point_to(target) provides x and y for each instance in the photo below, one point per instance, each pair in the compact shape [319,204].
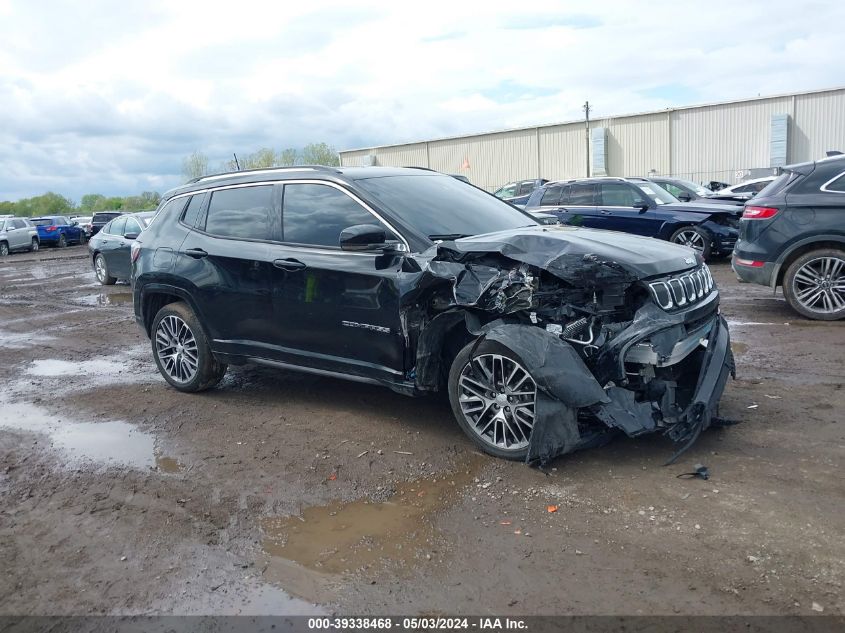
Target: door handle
[288,264]
[605,212]
[196,253]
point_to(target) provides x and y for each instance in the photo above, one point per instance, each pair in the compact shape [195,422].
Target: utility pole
[587,132]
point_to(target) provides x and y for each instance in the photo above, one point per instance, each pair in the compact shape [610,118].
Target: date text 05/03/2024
[418,623]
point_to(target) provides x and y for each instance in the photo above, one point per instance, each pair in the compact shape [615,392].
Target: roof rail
[417,167]
[232,174]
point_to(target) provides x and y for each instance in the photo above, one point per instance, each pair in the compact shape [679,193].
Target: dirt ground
[284,493]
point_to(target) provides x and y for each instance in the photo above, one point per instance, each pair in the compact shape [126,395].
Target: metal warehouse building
[727,141]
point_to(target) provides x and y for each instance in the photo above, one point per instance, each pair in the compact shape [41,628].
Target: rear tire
[814,284]
[496,420]
[695,238]
[181,350]
[4,249]
[101,270]
[34,245]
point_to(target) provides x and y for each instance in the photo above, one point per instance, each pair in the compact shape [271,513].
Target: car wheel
[82,238]
[814,284]
[695,238]
[34,246]
[181,350]
[4,249]
[62,241]
[493,398]
[101,270]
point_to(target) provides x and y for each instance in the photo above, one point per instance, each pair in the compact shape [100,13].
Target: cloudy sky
[109,97]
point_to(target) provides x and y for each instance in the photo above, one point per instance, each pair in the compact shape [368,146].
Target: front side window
[19,224]
[616,195]
[116,226]
[242,213]
[315,215]
[657,194]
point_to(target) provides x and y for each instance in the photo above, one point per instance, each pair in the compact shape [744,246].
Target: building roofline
[613,116]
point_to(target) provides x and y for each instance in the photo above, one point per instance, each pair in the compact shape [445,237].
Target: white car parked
[17,234]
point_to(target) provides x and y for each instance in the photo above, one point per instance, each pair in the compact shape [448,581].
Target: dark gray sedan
[110,248]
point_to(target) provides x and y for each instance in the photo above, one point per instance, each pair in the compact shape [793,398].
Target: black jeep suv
[793,235]
[545,338]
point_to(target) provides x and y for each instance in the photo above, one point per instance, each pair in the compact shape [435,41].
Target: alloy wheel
[35,245]
[100,268]
[819,285]
[497,397]
[690,238]
[176,349]
[4,249]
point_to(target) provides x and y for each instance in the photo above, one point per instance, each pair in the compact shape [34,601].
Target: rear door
[226,258]
[334,310]
[578,205]
[119,258]
[18,235]
[111,244]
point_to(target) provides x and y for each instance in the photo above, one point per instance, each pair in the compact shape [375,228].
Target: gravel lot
[286,493]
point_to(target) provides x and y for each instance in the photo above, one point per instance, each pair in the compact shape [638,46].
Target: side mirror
[684,197]
[364,237]
[130,236]
[642,205]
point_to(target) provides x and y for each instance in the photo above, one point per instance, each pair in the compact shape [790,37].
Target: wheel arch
[155,297]
[800,248]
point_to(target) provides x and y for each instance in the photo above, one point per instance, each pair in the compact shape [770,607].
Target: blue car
[637,206]
[57,230]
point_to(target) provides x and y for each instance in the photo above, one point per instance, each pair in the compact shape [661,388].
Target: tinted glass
[132,226]
[508,191]
[551,196]
[582,196]
[189,217]
[19,224]
[439,205]
[116,227]
[657,194]
[526,188]
[244,212]
[837,185]
[316,214]
[743,189]
[617,195]
[60,221]
[42,222]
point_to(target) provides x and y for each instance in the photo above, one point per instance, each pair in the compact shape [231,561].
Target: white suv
[17,234]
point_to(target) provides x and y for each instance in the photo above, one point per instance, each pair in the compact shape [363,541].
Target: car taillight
[748,262]
[52,228]
[759,213]
[135,251]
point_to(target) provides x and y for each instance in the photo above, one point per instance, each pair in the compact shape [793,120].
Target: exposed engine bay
[611,345]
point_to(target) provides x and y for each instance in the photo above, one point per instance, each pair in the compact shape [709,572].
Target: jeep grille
[680,291]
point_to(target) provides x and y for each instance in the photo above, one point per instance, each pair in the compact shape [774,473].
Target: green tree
[195,165]
[264,157]
[90,202]
[287,157]
[320,154]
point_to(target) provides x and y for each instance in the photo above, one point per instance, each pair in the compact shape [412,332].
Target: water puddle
[109,443]
[21,340]
[168,465]
[739,348]
[96,367]
[341,537]
[105,299]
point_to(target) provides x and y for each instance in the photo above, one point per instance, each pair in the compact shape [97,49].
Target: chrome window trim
[835,178]
[296,181]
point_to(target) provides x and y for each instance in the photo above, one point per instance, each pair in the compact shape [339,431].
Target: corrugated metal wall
[702,143]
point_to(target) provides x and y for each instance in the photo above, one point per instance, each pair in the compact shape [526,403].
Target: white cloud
[103,96]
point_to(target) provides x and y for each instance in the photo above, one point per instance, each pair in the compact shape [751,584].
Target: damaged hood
[563,249]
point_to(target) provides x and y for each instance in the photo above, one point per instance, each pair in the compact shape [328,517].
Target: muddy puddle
[108,443]
[97,367]
[739,347]
[341,537]
[106,299]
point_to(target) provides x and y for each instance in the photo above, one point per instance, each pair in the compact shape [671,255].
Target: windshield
[700,190]
[658,194]
[441,207]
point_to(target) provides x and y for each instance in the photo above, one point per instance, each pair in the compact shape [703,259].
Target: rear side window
[116,226]
[132,226]
[582,196]
[19,224]
[242,213]
[551,197]
[316,215]
[837,185]
[192,211]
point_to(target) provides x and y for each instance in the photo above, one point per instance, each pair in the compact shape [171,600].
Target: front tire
[695,238]
[101,270]
[814,284]
[62,241]
[181,350]
[493,398]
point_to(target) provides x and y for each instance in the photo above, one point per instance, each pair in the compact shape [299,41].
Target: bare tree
[287,157]
[195,165]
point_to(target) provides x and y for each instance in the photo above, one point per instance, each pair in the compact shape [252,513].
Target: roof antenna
[237,164]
